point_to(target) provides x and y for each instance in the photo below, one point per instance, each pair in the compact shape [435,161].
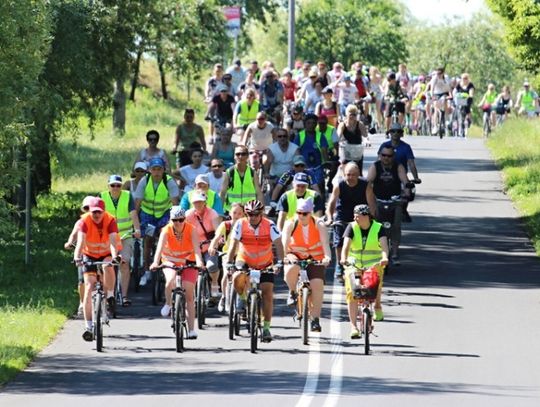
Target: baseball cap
[299,159]
[86,201]
[300,178]
[177,212]
[304,205]
[96,204]
[198,197]
[526,83]
[156,162]
[222,88]
[346,77]
[115,179]
[361,209]
[141,165]
[202,178]
[313,74]
[396,127]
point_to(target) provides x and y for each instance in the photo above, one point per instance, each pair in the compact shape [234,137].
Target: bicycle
[461,116]
[178,305]
[303,288]
[231,297]
[439,123]
[137,264]
[202,296]
[486,120]
[386,215]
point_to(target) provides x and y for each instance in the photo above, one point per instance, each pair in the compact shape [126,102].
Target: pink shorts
[190,275]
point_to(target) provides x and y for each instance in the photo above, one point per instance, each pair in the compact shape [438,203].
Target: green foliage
[522,21]
[456,46]
[348,31]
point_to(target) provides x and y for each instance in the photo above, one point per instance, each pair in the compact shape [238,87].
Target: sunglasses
[387,155]
[217,166]
[180,220]
[261,119]
[86,208]
[253,214]
[302,213]
[152,139]
[282,136]
[140,171]
[240,154]
[116,185]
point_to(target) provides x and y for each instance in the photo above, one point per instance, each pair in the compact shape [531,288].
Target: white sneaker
[192,335]
[80,310]
[214,292]
[166,310]
[221,305]
[147,276]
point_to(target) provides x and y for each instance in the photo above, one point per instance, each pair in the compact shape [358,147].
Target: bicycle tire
[232,313]
[300,309]
[178,321]
[366,326]
[486,126]
[201,307]
[305,315]
[136,267]
[155,288]
[98,326]
[253,319]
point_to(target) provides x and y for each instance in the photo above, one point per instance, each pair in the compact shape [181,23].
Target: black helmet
[253,206]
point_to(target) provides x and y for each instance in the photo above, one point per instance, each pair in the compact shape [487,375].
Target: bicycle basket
[364,293]
[370,278]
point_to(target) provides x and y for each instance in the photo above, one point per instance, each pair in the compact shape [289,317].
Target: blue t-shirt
[403,152]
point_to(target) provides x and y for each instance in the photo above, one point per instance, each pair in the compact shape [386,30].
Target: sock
[88,324]
[110,293]
[266,325]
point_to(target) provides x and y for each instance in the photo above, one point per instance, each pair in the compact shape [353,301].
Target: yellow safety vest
[120,211]
[156,202]
[292,200]
[241,191]
[248,114]
[369,254]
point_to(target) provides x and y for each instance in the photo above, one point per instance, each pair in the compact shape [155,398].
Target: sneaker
[379,315]
[126,302]
[192,335]
[221,304]
[166,310]
[395,260]
[315,325]
[111,304]
[291,299]
[147,276]
[80,310]
[355,333]
[266,335]
[88,335]
[339,272]
[214,292]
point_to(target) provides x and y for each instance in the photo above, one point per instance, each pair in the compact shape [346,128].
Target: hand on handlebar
[417,181]
[278,267]
[78,262]
[154,266]
[326,261]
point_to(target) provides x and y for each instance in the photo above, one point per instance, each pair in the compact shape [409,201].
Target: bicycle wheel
[366,326]
[253,319]
[202,285]
[98,325]
[178,321]
[442,125]
[155,288]
[232,313]
[486,127]
[136,266]
[305,315]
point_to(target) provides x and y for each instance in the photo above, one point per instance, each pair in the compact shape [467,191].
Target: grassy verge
[516,148]
[36,301]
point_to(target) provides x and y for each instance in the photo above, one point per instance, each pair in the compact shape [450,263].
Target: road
[461,323]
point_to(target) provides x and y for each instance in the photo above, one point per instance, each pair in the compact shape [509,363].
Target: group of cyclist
[187,214]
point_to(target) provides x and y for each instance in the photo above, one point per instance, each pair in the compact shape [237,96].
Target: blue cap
[115,179]
[301,178]
[156,162]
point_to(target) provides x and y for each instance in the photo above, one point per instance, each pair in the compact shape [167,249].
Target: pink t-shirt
[204,225]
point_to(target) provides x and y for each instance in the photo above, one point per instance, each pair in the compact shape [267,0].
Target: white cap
[202,178]
[140,164]
[198,197]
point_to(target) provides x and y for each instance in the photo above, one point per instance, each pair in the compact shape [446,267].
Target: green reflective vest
[210,198]
[292,200]
[527,100]
[327,134]
[241,190]
[370,253]
[156,201]
[491,97]
[302,136]
[248,114]
[120,212]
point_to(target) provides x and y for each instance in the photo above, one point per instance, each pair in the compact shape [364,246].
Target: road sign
[232,15]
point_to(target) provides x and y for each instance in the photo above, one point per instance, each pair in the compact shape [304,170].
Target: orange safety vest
[178,251]
[97,244]
[255,250]
[302,249]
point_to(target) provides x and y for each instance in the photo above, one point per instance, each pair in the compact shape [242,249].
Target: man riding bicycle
[271,96]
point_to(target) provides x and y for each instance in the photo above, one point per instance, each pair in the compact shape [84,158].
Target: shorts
[127,249]
[94,268]
[190,275]
[399,107]
[265,277]
[212,263]
[157,223]
[339,229]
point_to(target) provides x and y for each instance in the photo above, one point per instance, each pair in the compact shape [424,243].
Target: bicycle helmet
[177,212]
[361,209]
[253,206]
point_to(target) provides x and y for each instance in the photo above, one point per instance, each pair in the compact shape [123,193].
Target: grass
[35,301]
[516,148]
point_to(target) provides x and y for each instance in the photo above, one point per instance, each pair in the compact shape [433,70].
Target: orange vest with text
[255,250]
[302,249]
[178,251]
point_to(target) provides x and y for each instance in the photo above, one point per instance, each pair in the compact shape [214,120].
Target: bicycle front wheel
[202,285]
[98,324]
[178,321]
[253,320]
[367,330]
[305,315]
[232,313]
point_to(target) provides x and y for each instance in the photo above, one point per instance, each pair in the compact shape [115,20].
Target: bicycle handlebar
[179,268]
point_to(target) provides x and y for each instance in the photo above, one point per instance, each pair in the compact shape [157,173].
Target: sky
[435,11]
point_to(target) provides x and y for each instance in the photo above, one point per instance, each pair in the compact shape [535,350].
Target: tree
[354,30]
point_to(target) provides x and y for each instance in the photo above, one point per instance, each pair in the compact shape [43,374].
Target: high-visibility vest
[156,202]
[255,250]
[178,251]
[241,191]
[370,253]
[302,136]
[248,114]
[97,243]
[527,100]
[327,135]
[120,211]
[292,200]
[302,249]
[210,198]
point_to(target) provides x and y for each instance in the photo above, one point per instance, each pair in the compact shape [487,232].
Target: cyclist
[306,237]
[419,100]
[388,178]
[205,220]
[350,133]
[221,242]
[487,104]
[215,175]
[330,133]
[347,91]
[503,104]
[249,83]
[202,186]
[246,111]
[97,240]
[280,155]
[348,193]
[213,83]
[395,98]
[239,183]
[328,108]
[139,171]
[365,245]
[188,173]
[179,245]
[527,101]
[224,148]
[252,238]
[259,134]
[237,73]
[295,121]
[289,200]
[271,96]
[222,106]
[121,205]
[440,90]
[466,88]
[154,196]
[152,151]
[188,135]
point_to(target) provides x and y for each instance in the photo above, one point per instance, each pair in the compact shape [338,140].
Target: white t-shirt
[215,183]
[189,174]
[347,94]
[260,138]
[237,231]
[238,76]
[440,86]
[283,161]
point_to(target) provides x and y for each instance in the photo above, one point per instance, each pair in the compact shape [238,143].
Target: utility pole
[28,207]
[291,52]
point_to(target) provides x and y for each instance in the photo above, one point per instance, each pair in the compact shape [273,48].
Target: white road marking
[314,367]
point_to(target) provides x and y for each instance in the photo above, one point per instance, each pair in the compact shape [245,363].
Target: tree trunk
[162,76]
[119,107]
[135,80]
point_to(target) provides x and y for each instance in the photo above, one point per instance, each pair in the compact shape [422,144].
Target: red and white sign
[232,14]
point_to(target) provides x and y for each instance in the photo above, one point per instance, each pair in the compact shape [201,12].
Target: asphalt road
[461,323]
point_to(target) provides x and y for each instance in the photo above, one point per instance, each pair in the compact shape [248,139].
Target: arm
[279,249]
[113,241]
[81,239]
[330,209]
[372,173]
[220,231]
[201,137]
[245,137]
[136,224]
[323,233]
[383,241]
[176,139]
[197,248]
[257,185]
[345,249]
[286,235]
[224,186]
[412,166]
[72,237]
[371,200]
[232,250]
[282,216]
